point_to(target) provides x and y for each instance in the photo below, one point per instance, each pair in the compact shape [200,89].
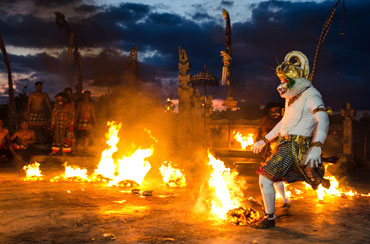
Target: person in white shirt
[301,134]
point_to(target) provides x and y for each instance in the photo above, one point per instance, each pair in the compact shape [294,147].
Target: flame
[335,190]
[72,173]
[33,172]
[128,170]
[133,168]
[245,141]
[222,180]
[107,166]
[172,176]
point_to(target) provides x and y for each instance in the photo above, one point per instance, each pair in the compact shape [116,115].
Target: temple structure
[194,109]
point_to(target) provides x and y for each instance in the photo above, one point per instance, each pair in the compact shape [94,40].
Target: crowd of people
[67,123]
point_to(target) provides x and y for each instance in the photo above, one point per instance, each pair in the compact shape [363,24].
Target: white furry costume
[304,122]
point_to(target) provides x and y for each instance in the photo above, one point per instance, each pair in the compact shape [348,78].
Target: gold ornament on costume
[295,66]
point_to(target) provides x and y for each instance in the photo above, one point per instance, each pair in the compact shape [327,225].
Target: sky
[262,32]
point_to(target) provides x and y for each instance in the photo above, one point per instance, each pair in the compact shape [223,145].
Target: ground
[69,212]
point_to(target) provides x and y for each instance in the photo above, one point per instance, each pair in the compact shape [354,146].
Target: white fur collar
[293,112]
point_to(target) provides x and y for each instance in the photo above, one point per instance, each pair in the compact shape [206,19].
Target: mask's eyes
[282,78]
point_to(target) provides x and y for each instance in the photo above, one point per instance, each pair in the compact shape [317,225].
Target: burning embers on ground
[225,198]
[127,171]
[300,190]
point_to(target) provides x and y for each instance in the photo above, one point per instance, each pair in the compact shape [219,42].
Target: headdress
[295,66]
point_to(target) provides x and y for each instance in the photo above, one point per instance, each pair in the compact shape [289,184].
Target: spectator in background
[77,96]
[24,137]
[69,96]
[85,117]
[4,139]
[37,118]
[62,122]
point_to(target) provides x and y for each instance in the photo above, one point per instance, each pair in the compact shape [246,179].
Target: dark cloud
[201,16]
[40,3]
[278,27]
[274,29]
[226,3]
[85,8]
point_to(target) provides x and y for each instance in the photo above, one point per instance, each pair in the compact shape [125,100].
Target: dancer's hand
[257,147]
[314,156]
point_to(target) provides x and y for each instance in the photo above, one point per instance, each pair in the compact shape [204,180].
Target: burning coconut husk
[242,216]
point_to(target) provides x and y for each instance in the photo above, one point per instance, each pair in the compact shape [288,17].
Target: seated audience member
[24,139]
[4,138]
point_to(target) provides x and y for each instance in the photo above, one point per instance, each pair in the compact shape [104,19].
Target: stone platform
[236,156]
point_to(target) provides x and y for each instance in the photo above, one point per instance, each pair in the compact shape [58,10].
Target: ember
[33,172]
[245,141]
[171,176]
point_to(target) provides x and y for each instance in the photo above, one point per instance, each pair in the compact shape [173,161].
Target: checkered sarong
[84,124]
[286,162]
[37,118]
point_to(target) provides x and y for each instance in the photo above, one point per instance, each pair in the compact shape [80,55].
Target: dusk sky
[262,31]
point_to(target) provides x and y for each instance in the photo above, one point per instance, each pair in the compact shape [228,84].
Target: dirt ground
[67,212]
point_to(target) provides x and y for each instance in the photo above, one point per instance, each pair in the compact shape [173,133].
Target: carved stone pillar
[185,93]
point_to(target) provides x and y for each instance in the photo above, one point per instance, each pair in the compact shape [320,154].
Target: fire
[335,190]
[228,195]
[72,173]
[225,189]
[150,135]
[133,168]
[171,176]
[107,167]
[33,172]
[245,141]
[127,171]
